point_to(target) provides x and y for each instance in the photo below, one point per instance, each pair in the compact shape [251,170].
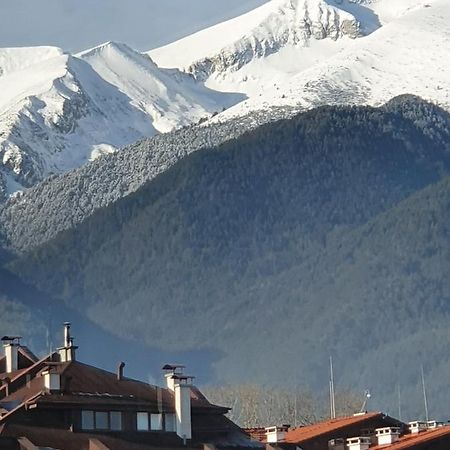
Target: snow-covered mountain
[303,53]
[229,46]
[57,111]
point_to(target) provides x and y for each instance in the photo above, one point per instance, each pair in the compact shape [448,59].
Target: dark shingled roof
[84,384]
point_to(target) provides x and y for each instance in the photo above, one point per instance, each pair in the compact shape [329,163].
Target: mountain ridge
[295,226]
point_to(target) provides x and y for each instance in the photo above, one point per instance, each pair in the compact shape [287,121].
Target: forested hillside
[323,234]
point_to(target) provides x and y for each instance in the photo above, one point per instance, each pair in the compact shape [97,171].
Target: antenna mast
[425,401]
[332,394]
[399,398]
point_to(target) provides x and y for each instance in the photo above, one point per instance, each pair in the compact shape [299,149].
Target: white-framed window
[101,420]
[169,422]
[87,420]
[142,421]
[156,422]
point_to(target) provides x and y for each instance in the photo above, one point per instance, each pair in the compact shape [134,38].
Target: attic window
[155,422]
[101,420]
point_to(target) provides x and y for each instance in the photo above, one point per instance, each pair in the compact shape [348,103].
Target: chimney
[170,372]
[52,380]
[417,426]
[387,435]
[276,434]
[182,393]
[11,345]
[120,371]
[358,443]
[336,444]
[67,353]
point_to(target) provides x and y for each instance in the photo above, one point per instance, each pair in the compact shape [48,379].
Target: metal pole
[425,401]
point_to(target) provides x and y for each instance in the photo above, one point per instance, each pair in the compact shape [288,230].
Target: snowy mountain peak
[65,110]
[264,31]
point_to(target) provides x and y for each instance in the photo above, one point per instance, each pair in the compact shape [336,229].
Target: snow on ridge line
[258,33]
[13,59]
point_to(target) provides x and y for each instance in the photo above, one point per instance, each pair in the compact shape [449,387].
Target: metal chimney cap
[11,338]
[173,367]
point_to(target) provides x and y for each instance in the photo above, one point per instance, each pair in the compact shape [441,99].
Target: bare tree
[258,406]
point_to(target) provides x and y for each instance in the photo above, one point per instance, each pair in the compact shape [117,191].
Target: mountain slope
[264,31]
[59,113]
[38,318]
[276,56]
[14,59]
[276,231]
[60,203]
[169,98]
[406,55]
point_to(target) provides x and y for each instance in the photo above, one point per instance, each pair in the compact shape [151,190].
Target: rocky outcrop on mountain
[277,24]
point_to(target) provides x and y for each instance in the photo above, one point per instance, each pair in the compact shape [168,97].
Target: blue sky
[76,25]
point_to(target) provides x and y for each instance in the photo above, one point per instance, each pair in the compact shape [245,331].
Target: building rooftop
[417,440]
[308,432]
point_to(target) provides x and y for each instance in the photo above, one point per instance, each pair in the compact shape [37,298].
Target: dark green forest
[324,234]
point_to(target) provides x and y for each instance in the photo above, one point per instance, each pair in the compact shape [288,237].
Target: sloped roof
[411,441]
[18,378]
[83,384]
[302,434]
[67,440]
[26,358]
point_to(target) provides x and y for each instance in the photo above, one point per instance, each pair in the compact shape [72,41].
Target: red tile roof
[301,434]
[411,441]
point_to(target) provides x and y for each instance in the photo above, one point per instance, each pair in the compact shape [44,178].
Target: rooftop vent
[433,424]
[120,371]
[67,352]
[358,443]
[170,372]
[387,435]
[11,345]
[336,444]
[417,426]
[276,434]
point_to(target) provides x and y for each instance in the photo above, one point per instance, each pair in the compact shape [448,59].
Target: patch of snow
[18,58]
[99,150]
